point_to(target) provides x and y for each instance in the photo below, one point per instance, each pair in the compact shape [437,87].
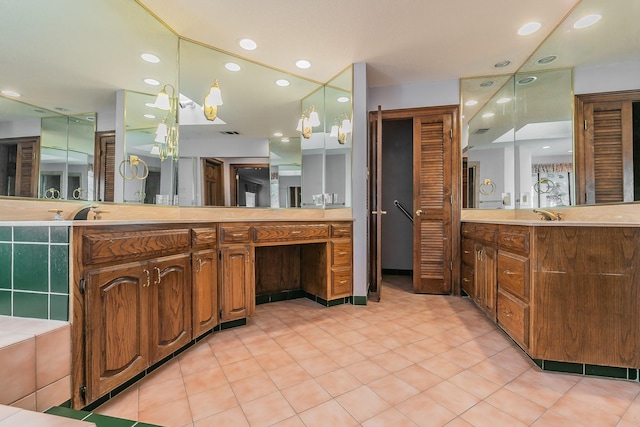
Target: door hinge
[451,200]
[451,266]
[220,255]
[451,133]
[220,315]
[82,285]
[585,125]
[83,393]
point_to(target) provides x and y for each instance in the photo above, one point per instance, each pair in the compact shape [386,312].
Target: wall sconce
[166,140]
[340,131]
[307,122]
[211,102]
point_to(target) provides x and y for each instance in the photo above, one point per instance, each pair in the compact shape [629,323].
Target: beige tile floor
[408,360]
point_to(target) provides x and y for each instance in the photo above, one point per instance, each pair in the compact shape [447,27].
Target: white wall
[606,78]
[20,128]
[415,95]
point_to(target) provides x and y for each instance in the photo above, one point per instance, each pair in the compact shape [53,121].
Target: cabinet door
[170,306]
[485,278]
[204,273]
[237,281]
[116,313]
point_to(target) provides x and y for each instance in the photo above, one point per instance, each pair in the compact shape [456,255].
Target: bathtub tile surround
[34,271]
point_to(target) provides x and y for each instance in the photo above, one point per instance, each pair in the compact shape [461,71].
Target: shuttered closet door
[27,164]
[608,152]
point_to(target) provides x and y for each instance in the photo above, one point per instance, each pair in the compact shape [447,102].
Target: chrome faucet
[548,215]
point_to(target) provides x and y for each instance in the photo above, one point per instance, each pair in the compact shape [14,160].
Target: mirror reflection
[542,171]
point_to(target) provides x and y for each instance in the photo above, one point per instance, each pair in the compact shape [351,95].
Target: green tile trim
[59,268]
[633,374]
[59,307]
[5,303]
[27,304]
[606,371]
[106,421]
[68,412]
[359,300]
[5,234]
[31,267]
[59,234]
[31,234]
[5,265]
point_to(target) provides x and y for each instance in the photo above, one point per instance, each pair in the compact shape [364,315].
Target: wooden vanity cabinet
[236,290]
[204,279]
[341,256]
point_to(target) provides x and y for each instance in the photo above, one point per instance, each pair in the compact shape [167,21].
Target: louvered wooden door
[608,152]
[104,175]
[27,166]
[432,187]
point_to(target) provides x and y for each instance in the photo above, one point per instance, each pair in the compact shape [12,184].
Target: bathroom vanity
[563,292]
[142,291]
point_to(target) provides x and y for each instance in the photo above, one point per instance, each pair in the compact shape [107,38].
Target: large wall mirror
[48,127]
[518,130]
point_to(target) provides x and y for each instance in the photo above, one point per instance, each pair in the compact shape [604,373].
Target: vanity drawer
[513,317]
[341,253]
[279,233]
[468,252]
[486,233]
[131,245]
[513,274]
[467,230]
[341,282]
[203,237]
[235,233]
[515,238]
[340,230]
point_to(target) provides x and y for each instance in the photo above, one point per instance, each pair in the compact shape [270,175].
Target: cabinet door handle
[148,278]
[466,280]
[159,277]
[199,265]
[508,272]
[507,313]
[466,252]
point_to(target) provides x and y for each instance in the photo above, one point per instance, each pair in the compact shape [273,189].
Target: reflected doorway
[213,183]
[250,185]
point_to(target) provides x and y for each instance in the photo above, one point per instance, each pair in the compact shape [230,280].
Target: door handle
[378,212]
[419,212]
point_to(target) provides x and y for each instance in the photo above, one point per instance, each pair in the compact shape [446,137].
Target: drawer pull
[236,234]
[508,272]
[466,280]
[159,277]
[467,252]
[508,239]
[342,253]
[148,278]
[296,231]
[343,281]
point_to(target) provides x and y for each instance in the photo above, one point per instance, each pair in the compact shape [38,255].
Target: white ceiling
[402,41]
[74,54]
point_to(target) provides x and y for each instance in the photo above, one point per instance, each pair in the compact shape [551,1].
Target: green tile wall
[34,271]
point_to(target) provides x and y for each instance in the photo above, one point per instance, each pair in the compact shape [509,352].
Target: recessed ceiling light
[487,115]
[303,63]
[232,66]
[343,99]
[471,102]
[502,64]
[11,93]
[150,57]
[285,139]
[487,83]
[527,80]
[61,109]
[570,151]
[248,44]
[503,100]
[150,116]
[586,21]
[277,134]
[529,28]
[152,82]
[544,147]
[282,82]
[91,118]
[37,110]
[546,59]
